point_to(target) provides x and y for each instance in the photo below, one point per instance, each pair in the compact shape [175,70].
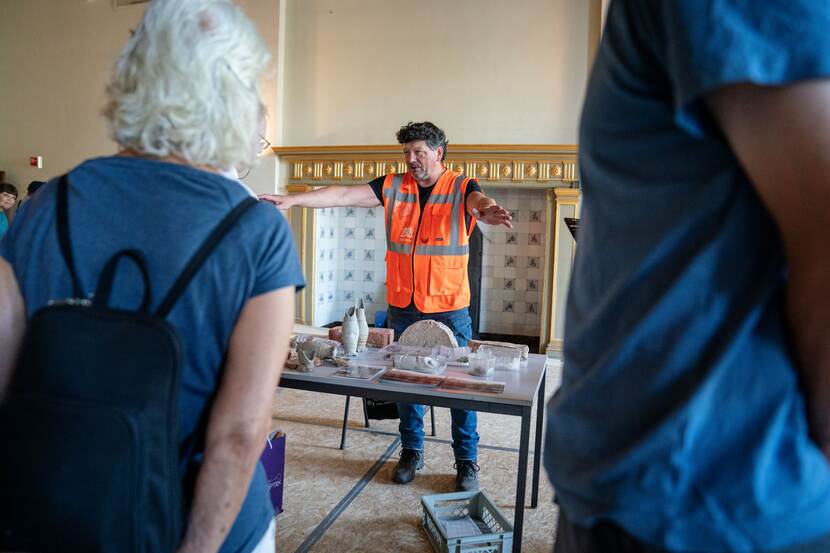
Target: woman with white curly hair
[184,108]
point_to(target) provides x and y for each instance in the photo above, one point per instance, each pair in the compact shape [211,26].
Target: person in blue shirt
[8,196]
[184,107]
[694,411]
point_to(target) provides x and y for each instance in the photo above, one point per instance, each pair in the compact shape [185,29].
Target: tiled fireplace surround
[524,269]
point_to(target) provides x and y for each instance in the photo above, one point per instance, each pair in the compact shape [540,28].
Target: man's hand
[494,215]
[283,203]
[487,210]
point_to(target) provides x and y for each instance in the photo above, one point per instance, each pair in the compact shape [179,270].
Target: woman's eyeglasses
[263,147]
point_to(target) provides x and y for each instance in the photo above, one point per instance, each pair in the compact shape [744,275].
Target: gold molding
[297,188]
[548,301]
[309,260]
[452,149]
[554,345]
[528,165]
[562,197]
[567,196]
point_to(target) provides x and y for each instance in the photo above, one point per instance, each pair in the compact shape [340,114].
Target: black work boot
[410,461]
[466,476]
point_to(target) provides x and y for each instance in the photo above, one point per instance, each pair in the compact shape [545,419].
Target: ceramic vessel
[362,325]
[305,361]
[351,331]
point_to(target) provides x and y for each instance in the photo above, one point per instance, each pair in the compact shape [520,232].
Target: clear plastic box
[455,356]
[506,358]
[481,364]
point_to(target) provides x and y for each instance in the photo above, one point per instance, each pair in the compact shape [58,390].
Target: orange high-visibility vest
[426,254]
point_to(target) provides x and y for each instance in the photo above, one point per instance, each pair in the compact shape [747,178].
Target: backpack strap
[201,255]
[63,234]
[102,293]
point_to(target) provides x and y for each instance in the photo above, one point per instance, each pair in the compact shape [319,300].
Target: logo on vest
[408,233]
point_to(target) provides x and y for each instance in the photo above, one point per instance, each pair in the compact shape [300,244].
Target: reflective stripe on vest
[392,193]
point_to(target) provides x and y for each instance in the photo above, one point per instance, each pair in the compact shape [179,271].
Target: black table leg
[537,449]
[521,482]
[345,422]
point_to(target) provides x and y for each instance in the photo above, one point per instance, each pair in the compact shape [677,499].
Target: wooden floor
[344,501]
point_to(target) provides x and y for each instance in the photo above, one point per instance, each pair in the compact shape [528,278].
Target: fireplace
[518,276]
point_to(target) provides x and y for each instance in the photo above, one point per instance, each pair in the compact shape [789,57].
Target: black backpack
[89,453]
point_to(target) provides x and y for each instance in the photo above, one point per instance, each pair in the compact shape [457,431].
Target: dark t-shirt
[423,196]
[424,192]
[165,210]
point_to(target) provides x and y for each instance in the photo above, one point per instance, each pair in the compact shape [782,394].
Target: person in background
[30,190]
[694,411]
[430,212]
[8,196]
[33,187]
[235,317]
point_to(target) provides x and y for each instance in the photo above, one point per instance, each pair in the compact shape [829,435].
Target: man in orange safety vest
[429,212]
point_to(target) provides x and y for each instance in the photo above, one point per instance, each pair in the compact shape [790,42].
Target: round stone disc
[428,333]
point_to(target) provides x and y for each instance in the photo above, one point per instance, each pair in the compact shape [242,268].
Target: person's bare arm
[782,138]
[240,418]
[12,323]
[486,210]
[330,196]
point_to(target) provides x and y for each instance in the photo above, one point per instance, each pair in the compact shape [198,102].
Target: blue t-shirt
[4,224]
[680,416]
[165,210]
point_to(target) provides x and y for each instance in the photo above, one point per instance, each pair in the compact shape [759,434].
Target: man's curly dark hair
[426,131]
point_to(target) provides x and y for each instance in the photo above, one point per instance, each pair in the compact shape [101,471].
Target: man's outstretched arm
[781,136]
[329,196]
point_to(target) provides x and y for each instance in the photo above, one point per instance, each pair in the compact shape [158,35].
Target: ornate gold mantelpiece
[535,166]
[526,165]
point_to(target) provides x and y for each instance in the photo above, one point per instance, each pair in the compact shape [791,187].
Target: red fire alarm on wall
[36,161]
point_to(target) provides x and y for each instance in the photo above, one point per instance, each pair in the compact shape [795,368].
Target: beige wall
[55,58]
[487,71]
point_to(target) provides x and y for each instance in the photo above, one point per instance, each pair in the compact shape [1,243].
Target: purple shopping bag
[273,460]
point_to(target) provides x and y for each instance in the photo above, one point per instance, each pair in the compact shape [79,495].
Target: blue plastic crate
[448,516]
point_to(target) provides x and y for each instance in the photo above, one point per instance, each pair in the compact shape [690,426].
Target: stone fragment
[420,363]
[428,333]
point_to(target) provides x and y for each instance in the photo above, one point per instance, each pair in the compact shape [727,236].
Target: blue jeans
[464,435]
